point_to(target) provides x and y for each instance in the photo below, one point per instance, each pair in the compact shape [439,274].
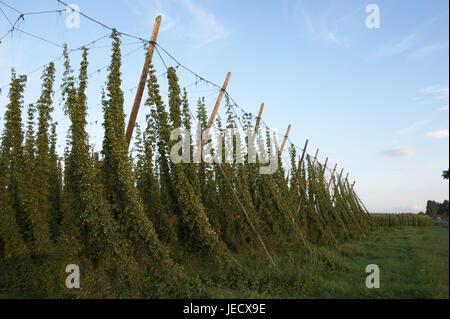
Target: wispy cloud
[323,28]
[443,108]
[428,50]
[299,9]
[434,95]
[409,43]
[413,127]
[205,24]
[439,92]
[188,20]
[438,134]
[417,207]
[402,45]
[148,10]
[400,152]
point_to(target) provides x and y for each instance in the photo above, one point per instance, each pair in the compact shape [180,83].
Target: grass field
[413,262]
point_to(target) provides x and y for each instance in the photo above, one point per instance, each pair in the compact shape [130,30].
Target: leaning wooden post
[300,165]
[258,119]
[340,175]
[142,81]
[332,175]
[335,187]
[315,157]
[285,139]
[353,185]
[213,116]
[303,155]
[298,171]
[325,166]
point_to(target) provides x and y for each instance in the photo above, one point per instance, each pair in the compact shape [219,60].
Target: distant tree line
[435,209]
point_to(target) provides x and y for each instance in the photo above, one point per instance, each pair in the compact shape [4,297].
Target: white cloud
[410,41]
[438,134]
[429,50]
[434,95]
[439,92]
[321,30]
[205,24]
[188,20]
[413,127]
[443,108]
[417,207]
[400,152]
[299,8]
[399,47]
[330,36]
[405,44]
[149,10]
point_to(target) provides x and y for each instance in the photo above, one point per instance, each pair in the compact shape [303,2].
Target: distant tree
[443,209]
[445,174]
[432,208]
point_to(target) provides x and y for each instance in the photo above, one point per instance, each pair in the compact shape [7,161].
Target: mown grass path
[413,261]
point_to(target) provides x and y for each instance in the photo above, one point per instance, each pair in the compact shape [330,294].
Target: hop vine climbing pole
[142,81]
[299,169]
[307,182]
[211,119]
[198,157]
[332,176]
[335,187]
[325,166]
[315,157]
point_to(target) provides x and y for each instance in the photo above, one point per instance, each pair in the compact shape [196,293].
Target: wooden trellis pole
[340,175]
[307,182]
[339,180]
[285,139]
[299,168]
[325,166]
[213,116]
[142,81]
[258,120]
[315,157]
[332,176]
[303,155]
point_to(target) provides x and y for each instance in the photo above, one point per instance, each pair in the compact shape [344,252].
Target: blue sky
[375,101]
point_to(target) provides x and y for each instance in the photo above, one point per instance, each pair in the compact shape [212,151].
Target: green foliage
[435,209]
[11,165]
[146,227]
[40,215]
[395,220]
